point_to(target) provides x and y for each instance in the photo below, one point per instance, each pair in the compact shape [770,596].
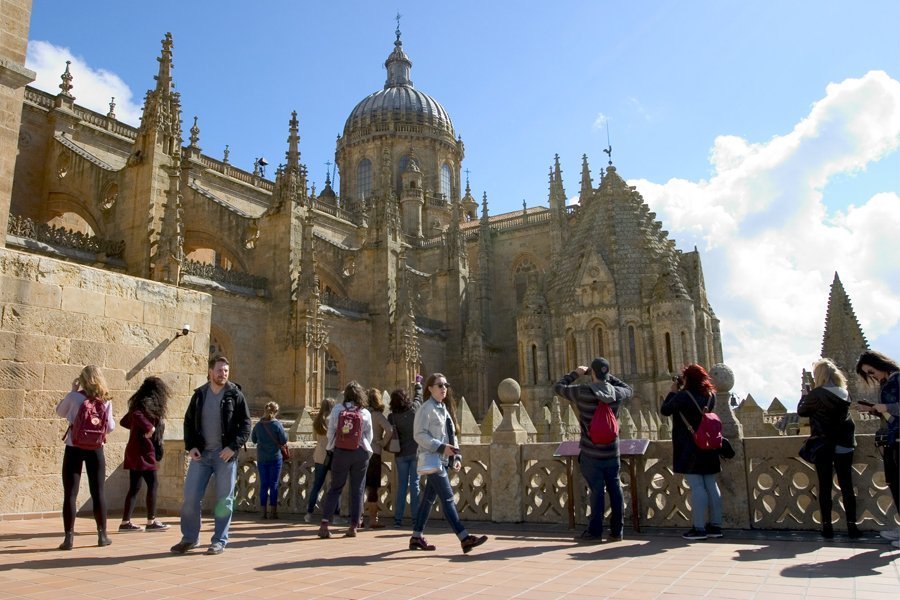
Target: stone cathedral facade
[399,270]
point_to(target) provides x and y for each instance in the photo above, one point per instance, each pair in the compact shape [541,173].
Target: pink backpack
[91,424]
[708,435]
[349,429]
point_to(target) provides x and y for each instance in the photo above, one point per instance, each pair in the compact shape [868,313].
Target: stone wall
[55,317]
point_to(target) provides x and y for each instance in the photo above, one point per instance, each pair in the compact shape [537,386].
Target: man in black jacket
[216,425]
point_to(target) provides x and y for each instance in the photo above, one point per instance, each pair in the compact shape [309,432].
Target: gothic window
[571,351]
[534,367]
[547,350]
[445,181]
[523,271]
[599,341]
[632,350]
[332,377]
[670,364]
[364,179]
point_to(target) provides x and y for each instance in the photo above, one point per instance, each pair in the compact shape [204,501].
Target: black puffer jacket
[828,409]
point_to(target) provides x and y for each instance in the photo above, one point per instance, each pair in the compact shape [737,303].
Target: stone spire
[112,108]
[290,180]
[162,107]
[195,135]
[586,183]
[843,340]
[168,253]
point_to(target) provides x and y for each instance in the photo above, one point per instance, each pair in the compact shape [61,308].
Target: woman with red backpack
[88,410]
[692,395]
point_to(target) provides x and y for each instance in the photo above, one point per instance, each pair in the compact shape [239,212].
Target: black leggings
[134,486]
[95,462]
[843,467]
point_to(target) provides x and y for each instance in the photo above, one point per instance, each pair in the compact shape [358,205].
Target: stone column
[733,478]
[507,487]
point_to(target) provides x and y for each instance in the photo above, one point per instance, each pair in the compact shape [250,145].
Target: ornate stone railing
[780,488]
[225,276]
[235,173]
[29,229]
[335,301]
[335,211]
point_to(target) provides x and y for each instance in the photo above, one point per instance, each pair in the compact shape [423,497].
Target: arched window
[547,350]
[534,368]
[332,378]
[599,341]
[445,181]
[670,364]
[632,350]
[364,179]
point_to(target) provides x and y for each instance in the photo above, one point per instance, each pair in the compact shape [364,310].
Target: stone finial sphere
[723,377]
[509,391]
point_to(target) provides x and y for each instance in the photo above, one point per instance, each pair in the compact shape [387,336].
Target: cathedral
[393,268]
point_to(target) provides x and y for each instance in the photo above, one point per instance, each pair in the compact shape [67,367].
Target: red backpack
[708,435]
[349,429]
[90,425]
[604,428]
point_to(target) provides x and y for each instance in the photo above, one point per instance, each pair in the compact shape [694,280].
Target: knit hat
[600,368]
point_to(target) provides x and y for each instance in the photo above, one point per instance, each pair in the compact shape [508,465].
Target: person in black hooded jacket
[828,407]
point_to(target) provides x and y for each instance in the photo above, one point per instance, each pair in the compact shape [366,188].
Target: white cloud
[601,121]
[771,247]
[92,88]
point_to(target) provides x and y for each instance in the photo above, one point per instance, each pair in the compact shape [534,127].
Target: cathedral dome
[399,101]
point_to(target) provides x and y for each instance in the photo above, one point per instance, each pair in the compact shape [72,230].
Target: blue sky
[764,133]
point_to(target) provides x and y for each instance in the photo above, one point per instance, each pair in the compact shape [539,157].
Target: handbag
[428,463]
[394,444]
[285,451]
[727,450]
[811,448]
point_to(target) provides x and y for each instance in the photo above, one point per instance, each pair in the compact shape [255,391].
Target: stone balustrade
[780,488]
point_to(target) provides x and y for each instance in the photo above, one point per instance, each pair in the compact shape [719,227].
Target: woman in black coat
[692,393]
[828,407]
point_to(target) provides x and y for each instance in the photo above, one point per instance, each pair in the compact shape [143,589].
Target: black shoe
[695,534]
[102,538]
[614,538]
[586,537]
[182,547]
[853,532]
[419,543]
[216,548]
[68,542]
[472,541]
[828,531]
[714,531]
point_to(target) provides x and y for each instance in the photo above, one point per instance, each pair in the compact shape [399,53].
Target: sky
[765,134]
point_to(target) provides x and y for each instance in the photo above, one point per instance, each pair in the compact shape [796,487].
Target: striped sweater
[585,401]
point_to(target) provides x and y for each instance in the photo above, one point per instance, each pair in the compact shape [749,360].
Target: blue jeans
[705,496]
[269,475]
[319,473]
[346,464]
[437,486]
[406,478]
[603,476]
[195,482]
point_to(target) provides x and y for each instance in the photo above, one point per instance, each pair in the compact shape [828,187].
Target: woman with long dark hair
[381,434]
[691,394]
[876,368]
[828,407]
[90,385]
[145,419]
[350,441]
[402,418]
[434,429]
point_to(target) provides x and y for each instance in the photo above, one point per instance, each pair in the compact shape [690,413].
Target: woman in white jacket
[434,433]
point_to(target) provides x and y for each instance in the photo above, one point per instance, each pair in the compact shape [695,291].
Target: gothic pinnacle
[66,85]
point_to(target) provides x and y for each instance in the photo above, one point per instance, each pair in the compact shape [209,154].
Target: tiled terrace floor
[285,559]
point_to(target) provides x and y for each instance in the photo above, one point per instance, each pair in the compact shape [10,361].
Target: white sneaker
[307,517]
[891,534]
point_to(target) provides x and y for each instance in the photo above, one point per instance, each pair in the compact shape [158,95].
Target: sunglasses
[443,386]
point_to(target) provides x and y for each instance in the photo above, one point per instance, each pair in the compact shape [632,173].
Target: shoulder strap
[271,435]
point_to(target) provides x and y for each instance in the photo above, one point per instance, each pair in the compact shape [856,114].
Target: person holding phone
[828,407]
[876,368]
[434,432]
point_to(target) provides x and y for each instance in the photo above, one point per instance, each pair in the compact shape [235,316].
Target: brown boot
[372,509]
